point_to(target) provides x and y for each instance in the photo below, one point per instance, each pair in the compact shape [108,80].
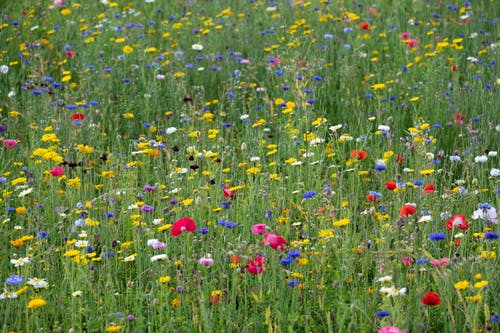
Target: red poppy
[214,299]
[429,188]
[359,154]
[390,185]
[70,53]
[276,242]
[371,197]
[77,116]
[234,259]
[459,221]
[57,171]
[256,265]
[183,224]
[399,159]
[407,210]
[364,25]
[459,118]
[431,298]
[454,67]
[228,193]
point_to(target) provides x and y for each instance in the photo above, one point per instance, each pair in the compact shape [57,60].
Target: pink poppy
[276,242]
[259,229]
[183,224]
[256,265]
[9,143]
[57,171]
[459,221]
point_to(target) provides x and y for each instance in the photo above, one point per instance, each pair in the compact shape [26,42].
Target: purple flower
[146,208]
[14,280]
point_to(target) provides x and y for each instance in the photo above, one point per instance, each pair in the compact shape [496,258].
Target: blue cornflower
[308,194]
[491,235]
[14,280]
[381,314]
[437,236]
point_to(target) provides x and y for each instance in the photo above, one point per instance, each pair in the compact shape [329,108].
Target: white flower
[383,128]
[486,213]
[171,130]
[152,241]
[37,283]
[158,257]
[20,262]
[385,279]
[425,218]
[197,47]
[392,291]
[495,172]
[7,294]
[4,69]
[129,258]
[81,243]
[316,141]
[492,154]
[25,192]
[334,128]
[481,159]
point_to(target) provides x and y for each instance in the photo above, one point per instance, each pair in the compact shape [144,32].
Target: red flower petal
[429,188]
[183,224]
[431,298]
[459,221]
[407,210]
[256,265]
[390,185]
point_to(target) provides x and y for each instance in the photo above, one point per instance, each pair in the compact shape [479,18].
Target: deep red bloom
[359,154]
[57,171]
[399,159]
[183,224]
[459,221]
[371,197]
[228,193]
[390,185]
[256,265]
[70,53]
[364,25]
[431,298]
[77,116]
[407,210]
[274,241]
[454,67]
[429,188]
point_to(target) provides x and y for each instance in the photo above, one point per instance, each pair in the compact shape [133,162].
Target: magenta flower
[276,242]
[390,329]
[184,224]
[9,143]
[57,171]
[259,229]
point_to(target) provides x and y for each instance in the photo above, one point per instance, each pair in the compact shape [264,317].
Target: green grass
[272,108]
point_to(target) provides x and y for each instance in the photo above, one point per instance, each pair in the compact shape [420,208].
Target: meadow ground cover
[249,166]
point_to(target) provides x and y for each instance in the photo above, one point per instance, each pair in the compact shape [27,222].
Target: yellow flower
[114,328]
[461,285]
[74,182]
[127,49]
[378,86]
[20,210]
[481,284]
[164,279]
[36,302]
[341,222]
[252,171]
[65,12]
[71,253]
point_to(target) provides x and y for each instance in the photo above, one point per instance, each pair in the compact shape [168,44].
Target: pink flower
[259,229]
[405,35]
[206,261]
[390,329]
[57,171]
[407,261]
[9,143]
[256,265]
[158,245]
[183,224]
[276,242]
[58,3]
[443,262]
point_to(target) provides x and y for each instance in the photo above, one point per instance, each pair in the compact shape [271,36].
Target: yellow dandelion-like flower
[461,285]
[341,222]
[114,328]
[36,302]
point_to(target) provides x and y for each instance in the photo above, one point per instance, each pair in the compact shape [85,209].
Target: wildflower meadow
[249,166]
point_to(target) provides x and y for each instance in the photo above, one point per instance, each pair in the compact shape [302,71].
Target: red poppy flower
[70,53]
[429,188]
[256,265]
[454,67]
[459,221]
[57,171]
[228,193]
[183,224]
[431,298]
[399,159]
[390,185]
[364,25]
[407,210]
[459,118]
[234,259]
[359,154]
[371,197]
[276,242]
[214,299]
[77,116]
